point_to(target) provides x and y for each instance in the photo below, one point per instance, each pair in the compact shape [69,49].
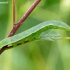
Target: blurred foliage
[41,55]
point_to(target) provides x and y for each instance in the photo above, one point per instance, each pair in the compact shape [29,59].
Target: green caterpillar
[32,33]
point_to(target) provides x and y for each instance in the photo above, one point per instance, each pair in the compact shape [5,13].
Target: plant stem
[28,11]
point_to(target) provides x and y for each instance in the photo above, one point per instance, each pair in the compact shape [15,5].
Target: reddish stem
[28,12]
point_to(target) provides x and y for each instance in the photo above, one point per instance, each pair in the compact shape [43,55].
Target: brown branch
[28,12]
[19,23]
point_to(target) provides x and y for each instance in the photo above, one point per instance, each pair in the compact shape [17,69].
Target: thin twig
[28,11]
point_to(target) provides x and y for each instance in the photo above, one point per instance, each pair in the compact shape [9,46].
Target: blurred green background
[41,55]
